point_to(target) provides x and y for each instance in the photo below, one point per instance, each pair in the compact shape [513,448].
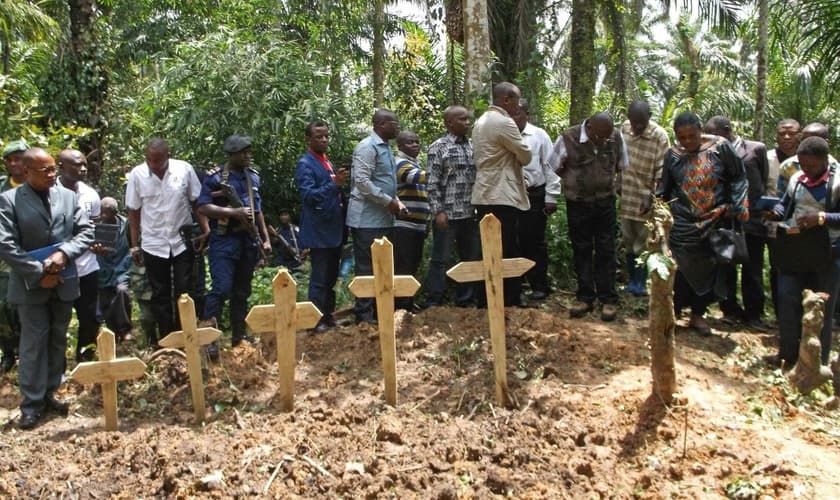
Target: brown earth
[585,427]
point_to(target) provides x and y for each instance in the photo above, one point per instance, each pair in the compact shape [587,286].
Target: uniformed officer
[230,197]
[9,323]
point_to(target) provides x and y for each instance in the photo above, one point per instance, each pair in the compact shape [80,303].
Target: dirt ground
[585,426]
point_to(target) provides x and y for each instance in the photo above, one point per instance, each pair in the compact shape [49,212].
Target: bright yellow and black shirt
[411,190]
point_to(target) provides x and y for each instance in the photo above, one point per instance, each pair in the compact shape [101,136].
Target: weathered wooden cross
[492,269]
[107,372]
[283,319]
[191,339]
[385,287]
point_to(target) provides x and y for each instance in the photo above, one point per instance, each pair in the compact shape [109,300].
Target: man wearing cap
[238,235]
[9,323]
[159,195]
[41,216]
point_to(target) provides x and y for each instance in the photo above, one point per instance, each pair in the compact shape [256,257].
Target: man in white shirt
[72,167]
[543,189]
[160,197]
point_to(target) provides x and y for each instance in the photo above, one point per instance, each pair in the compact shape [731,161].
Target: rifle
[287,249]
[250,226]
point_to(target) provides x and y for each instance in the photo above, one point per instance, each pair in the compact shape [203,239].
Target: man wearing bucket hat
[230,198]
[9,323]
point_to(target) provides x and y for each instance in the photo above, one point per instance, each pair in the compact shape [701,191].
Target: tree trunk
[662,324]
[476,53]
[378,53]
[809,372]
[761,71]
[619,58]
[583,67]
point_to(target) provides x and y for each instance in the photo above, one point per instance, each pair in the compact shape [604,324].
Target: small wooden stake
[191,339]
[106,372]
[283,318]
[492,270]
[385,286]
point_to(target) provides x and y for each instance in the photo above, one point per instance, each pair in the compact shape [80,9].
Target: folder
[42,253]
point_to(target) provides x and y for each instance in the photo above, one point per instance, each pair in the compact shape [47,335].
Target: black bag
[730,245]
[803,251]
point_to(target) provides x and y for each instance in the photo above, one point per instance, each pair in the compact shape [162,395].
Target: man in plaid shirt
[451,170]
[646,144]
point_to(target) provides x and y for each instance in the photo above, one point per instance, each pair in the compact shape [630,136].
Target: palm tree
[21,20]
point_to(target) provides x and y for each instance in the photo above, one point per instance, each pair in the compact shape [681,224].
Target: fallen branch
[427,399]
[316,466]
[286,458]
[166,350]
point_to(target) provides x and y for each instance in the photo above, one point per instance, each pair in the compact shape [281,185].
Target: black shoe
[56,405]
[29,421]
[235,341]
[321,327]
[212,352]
[7,363]
[538,295]
[330,321]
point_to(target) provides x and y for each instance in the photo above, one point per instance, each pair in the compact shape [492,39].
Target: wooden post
[492,269]
[106,372]
[190,339]
[283,318]
[662,321]
[385,287]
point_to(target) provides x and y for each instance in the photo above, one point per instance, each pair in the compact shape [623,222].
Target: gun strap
[251,200]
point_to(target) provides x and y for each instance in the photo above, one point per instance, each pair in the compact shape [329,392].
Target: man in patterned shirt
[451,170]
[646,144]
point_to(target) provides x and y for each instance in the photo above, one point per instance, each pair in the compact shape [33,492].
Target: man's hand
[808,220]
[137,256]
[397,207]
[549,208]
[241,213]
[442,221]
[266,246]
[55,263]
[341,176]
[100,249]
[645,205]
[50,280]
[200,242]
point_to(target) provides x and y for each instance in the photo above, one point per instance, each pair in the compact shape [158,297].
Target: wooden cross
[283,319]
[191,339]
[492,269]
[385,287]
[107,372]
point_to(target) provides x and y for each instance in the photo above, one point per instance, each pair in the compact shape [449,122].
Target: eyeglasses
[51,169]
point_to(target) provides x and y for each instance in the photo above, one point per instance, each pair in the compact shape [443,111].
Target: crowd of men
[62,247]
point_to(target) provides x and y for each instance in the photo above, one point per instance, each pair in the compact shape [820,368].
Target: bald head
[40,169]
[385,124]
[110,208]
[506,96]
[457,120]
[815,130]
[719,125]
[638,113]
[599,128]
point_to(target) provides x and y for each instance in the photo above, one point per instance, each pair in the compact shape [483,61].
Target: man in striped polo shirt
[646,144]
[411,226]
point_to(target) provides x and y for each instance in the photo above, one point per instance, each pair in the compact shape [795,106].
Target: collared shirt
[373,184]
[499,153]
[164,204]
[89,202]
[451,177]
[788,168]
[645,155]
[411,189]
[559,154]
[538,172]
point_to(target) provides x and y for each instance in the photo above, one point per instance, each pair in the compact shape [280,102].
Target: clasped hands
[53,266]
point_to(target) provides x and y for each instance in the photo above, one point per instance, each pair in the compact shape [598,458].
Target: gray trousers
[43,342]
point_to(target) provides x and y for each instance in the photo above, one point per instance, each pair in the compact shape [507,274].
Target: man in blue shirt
[373,198]
[236,235]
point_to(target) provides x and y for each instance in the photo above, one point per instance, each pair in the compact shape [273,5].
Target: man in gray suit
[35,216]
